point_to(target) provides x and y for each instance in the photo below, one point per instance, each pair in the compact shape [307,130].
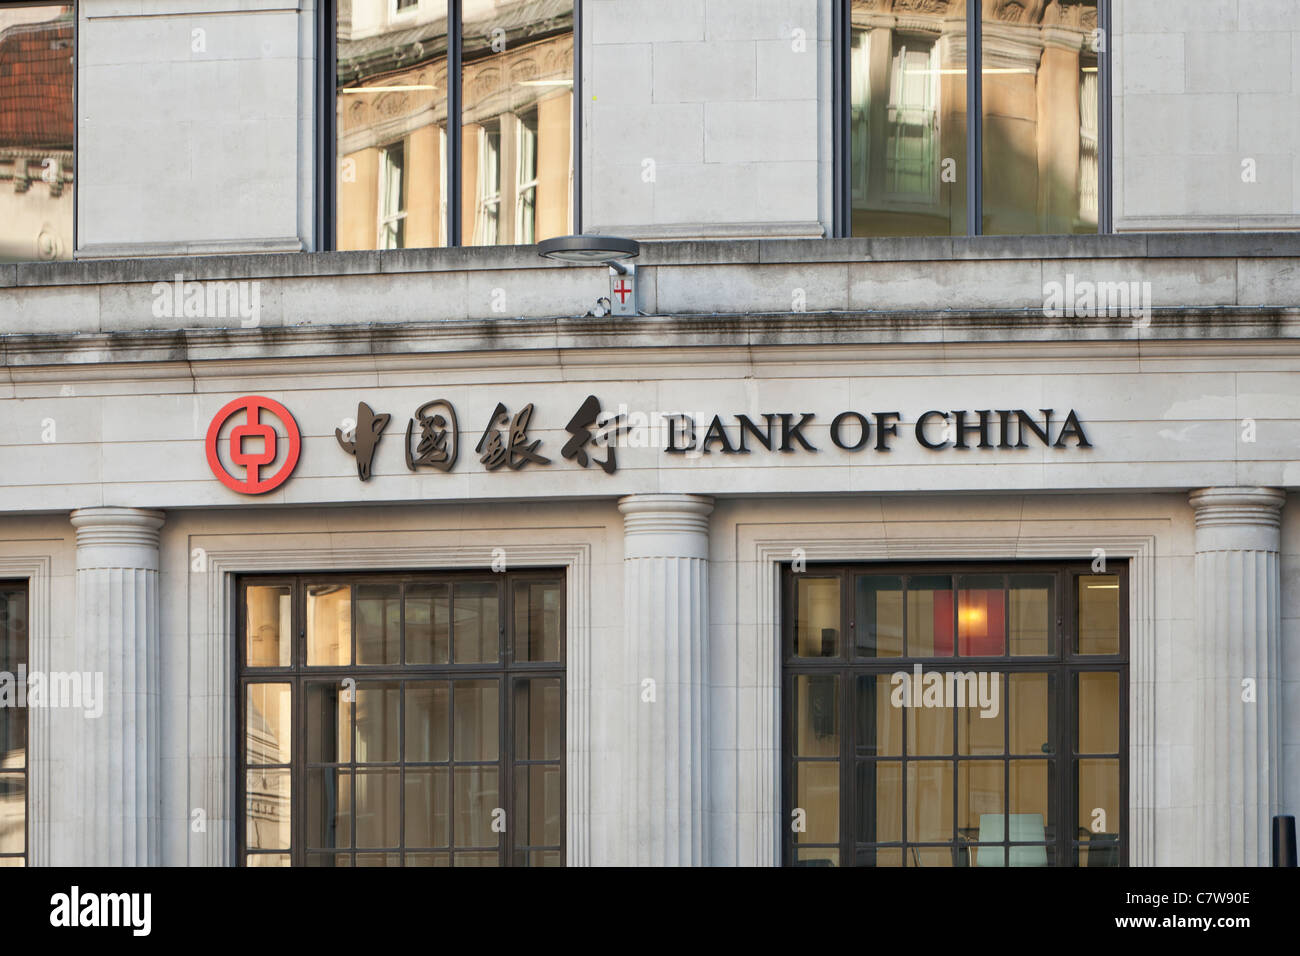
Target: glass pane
[428,807]
[428,859]
[268,626]
[475,720]
[329,808]
[268,724]
[880,801]
[488,858]
[1031,698]
[1098,614]
[378,859]
[907,122]
[929,728]
[379,716]
[268,859]
[329,859]
[36,125]
[539,719]
[928,856]
[378,809]
[13,659]
[537,621]
[1027,798]
[329,625]
[266,824]
[880,723]
[980,787]
[428,722]
[817,856]
[329,723]
[476,624]
[879,619]
[1099,798]
[428,628]
[817,715]
[929,801]
[475,799]
[981,616]
[545,858]
[379,624]
[979,723]
[1031,614]
[1040,119]
[392,113]
[518,122]
[929,616]
[539,805]
[817,624]
[880,856]
[1098,714]
[1099,852]
[817,793]
[13,813]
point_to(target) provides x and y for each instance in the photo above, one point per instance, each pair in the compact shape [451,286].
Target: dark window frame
[22,588]
[325,233]
[1062,663]
[842,150]
[299,675]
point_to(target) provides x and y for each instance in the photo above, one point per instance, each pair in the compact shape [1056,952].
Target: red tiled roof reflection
[36,85]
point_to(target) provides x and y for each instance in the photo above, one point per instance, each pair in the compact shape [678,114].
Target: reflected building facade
[514,179]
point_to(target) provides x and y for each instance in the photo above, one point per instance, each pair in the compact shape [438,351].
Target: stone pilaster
[117,637]
[666,627]
[1238,635]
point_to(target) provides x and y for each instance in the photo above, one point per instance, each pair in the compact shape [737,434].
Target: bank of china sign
[245,454]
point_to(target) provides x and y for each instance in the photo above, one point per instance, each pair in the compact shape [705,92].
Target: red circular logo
[251,460]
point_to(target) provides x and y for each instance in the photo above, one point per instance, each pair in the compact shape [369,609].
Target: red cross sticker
[622,289]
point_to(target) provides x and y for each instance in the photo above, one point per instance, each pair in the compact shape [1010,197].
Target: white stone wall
[706,117]
[1204,92]
[194,126]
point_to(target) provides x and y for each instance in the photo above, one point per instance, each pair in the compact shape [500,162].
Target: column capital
[1238,519]
[117,537]
[666,525]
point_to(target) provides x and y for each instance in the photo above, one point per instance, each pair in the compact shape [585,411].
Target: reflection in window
[909,116]
[36,125]
[978,734]
[908,120]
[13,729]
[428,747]
[392,196]
[515,166]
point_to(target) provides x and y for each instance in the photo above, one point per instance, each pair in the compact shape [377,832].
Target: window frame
[325,231]
[1062,663]
[843,182]
[299,675]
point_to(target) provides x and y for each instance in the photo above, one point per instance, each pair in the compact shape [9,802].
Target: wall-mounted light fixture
[609,251]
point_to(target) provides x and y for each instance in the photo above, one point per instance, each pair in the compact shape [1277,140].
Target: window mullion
[974,122]
[454,145]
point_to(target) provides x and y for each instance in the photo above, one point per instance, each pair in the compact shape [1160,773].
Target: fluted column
[117,637]
[666,627]
[1238,635]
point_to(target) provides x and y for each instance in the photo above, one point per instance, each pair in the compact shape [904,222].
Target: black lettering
[962,429]
[717,433]
[1025,421]
[789,431]
[864,427]
[920,429]
[886,427]
[687,422]
[1005,419]
[1073,427]
[764,439]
